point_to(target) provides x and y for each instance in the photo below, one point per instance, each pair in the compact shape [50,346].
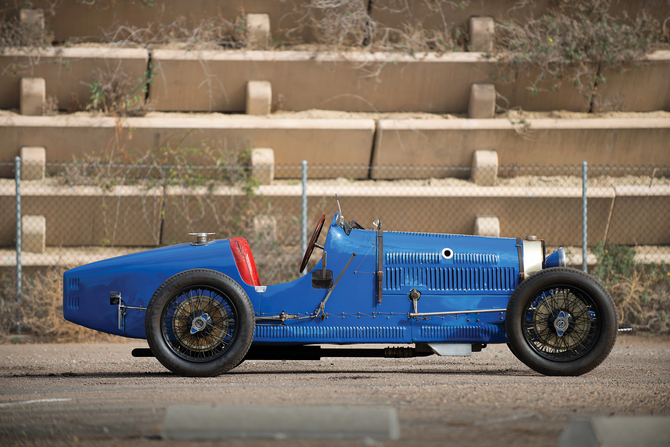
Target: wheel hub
[561,323]
[199,323]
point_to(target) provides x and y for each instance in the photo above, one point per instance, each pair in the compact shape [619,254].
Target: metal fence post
[304,206]
[584,216]
[17,175]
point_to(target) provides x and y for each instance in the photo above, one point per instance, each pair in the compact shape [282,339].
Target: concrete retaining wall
[547,142]
[640,215]
[86,216]
[131,215]
[430,143]
[399,14]
[217,80]
[644,88]
[293,140]
[364,82]
[72,20]
[68,72]
[88,21]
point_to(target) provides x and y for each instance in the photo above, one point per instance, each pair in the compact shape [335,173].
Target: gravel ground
[97,394]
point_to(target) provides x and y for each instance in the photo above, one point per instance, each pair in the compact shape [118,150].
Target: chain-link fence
[77,213]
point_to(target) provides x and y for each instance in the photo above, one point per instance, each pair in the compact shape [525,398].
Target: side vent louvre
[73,303]
[74,283]
[412,258]
[476,258]
[413,233]
[451,278]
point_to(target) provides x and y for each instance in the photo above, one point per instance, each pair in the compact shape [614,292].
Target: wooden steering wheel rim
[310,246]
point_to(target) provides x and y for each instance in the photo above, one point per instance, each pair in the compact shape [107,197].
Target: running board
[317,352]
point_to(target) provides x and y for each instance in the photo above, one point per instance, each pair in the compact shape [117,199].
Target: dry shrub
[575,44]
[641,292]
[15,33]
[115,93]
[341,24]
[338,23]
[212,33]
[40,311]
[50,106]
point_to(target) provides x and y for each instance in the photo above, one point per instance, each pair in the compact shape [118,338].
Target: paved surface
[98,394]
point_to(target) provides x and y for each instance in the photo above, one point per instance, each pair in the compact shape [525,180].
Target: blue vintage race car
[203,310]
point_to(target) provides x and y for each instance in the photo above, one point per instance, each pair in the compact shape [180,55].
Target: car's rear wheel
[561,322]
[200,323]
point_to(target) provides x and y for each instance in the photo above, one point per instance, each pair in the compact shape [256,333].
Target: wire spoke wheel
[200,323]
[580,317]
[212,307]
[561,322]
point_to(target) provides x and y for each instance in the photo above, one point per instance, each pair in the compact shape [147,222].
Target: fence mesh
[77,213]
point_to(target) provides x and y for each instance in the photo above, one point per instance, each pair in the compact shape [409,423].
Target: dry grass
[41,311]
[640,292]
[211,33]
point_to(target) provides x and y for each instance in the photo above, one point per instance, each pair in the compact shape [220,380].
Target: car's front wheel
[561,322]
[200,323]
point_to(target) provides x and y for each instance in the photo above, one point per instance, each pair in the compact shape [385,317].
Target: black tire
[224,328]
[561,322]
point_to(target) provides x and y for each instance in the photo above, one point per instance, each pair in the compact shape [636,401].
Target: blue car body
[452,273]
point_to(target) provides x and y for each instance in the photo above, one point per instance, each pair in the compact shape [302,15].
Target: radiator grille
[450,278]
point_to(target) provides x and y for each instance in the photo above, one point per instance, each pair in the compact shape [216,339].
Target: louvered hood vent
[476,258]
[450,278]
[412,258]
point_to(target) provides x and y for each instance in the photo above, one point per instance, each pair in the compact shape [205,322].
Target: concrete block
[487,226]
[485,167]
[33,233]
[482,33]
[322,422]
[32,163]
[32,17]
[259,98]
[265,228]
[563,142]
[482,101]
[258,31]
[33,96]
[618,431]
[263,165]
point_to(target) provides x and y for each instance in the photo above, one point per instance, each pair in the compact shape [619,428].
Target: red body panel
[245,261]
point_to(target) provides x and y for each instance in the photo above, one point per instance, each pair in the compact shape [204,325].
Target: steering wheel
[312,243]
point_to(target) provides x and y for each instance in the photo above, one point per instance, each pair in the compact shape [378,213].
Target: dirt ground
[97,394]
